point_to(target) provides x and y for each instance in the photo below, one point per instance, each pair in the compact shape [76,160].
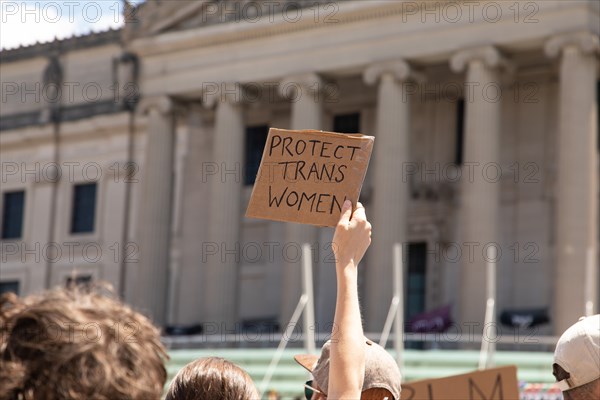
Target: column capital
[489,55]
[586,42]
[399,69]
[224,92]
[163,104]
[310,82]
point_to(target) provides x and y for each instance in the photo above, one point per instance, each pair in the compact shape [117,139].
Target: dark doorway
[416,285]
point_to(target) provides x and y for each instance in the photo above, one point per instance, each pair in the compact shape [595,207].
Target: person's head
[212,378]
[577,360]
[77,344]
[382,376]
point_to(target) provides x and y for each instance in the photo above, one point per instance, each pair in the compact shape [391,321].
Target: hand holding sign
[352,236]
[305,176]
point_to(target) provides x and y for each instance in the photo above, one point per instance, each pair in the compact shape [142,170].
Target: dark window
[347,123]
[79,280]
[256,138]
[8,287]
[460,131]
[12,215]
[415,287]
[84,208]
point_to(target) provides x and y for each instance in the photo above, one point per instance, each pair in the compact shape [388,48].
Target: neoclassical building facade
[129,155]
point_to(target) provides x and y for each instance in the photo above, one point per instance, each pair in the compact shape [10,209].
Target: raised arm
[347,358]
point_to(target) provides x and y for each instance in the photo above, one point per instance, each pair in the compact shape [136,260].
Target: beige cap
[381,371]
[578,352]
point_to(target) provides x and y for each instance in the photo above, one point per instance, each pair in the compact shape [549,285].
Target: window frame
[17,281]
[23,213]
[459,132]
[347,114]
[407,287]
[249,177]
[71,220]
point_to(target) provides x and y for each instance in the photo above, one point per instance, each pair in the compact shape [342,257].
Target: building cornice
[219,34]
[95,126]
[111,36]
[348,12]
[68,113]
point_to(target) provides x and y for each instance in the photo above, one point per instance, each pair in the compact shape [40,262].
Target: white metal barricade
[488,344]
[396,312]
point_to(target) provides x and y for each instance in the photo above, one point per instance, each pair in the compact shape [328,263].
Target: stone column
[391,191]
[480,185]
[577,179]
[307,113]
[195,211]
[220,279]
[155,210]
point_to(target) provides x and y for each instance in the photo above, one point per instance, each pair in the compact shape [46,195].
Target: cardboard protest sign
[490,384]
[305,176]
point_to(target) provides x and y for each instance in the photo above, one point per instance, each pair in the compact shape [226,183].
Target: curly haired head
[77,344]
[212,378]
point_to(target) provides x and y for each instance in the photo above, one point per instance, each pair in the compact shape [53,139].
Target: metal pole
[488,348]
[387,327]
[399,293]
[484,353]
[590,281]
[307,290]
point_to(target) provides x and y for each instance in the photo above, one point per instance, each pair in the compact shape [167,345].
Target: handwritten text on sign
[305,176]
[491,384]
